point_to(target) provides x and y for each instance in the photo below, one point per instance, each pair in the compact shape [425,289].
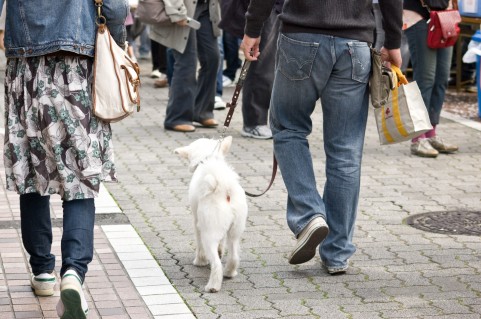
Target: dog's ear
[225,146]
[182,152]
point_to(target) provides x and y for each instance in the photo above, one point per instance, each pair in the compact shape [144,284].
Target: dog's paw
[200,262]
[211,289]
[230,274]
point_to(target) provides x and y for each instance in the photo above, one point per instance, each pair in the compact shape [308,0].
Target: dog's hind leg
[232,257]
[200,259]
[215,279]
[221,248]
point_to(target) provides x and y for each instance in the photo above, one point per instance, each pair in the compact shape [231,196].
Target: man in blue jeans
[323,53]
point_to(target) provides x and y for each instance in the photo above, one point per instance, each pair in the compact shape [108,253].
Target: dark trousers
[258,84]
[231,55]
[159,56]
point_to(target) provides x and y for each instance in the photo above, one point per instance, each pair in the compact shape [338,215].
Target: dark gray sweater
[352,19]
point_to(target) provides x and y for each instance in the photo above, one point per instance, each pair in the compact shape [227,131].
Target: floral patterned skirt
[53,143]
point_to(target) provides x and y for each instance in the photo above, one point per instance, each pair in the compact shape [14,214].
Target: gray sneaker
[308,240]
[261,132]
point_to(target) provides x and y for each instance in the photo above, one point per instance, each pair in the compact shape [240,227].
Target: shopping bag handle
[400,76]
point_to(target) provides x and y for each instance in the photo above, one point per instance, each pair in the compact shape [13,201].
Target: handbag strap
[400,76]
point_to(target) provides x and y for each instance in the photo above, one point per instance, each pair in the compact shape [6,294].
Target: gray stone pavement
[397,272]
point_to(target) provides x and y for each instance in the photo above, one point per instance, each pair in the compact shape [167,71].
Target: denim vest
[39,27]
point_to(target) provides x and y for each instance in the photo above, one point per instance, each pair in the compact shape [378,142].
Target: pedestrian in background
[257,88]
[53,143]
[323,52]
[192,91]
[431,69]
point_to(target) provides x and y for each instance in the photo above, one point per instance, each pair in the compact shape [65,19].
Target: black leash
[232,105]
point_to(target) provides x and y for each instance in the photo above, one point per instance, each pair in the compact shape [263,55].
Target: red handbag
[443,29]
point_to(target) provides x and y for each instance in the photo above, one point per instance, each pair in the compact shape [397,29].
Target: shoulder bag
[116,77]
[443,29]
[152,12]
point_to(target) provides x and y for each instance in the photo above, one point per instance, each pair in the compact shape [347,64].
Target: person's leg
[423,60]
[218,83]
[36,229]
[208,55]
[144,48]
[78,235]
[257,89]
[231,55]
[345,109]
[294,95]
[155,49]
[443,65]
[183,86]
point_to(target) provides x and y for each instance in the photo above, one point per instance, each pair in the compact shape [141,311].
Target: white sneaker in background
[156,74]
[226,82]
[219,104]
[72,303]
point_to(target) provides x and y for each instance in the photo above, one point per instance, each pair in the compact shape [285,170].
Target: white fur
[219,206]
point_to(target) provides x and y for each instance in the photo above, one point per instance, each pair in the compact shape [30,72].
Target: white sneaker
[43,284]
[226,82]
[308,240]
[156,74]
[72,303]
[219,104]
[261,132]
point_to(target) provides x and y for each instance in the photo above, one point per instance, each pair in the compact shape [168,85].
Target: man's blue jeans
[77,237]
[336,71]
[431,69]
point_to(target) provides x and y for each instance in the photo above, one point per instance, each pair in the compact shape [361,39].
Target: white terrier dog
[219,205]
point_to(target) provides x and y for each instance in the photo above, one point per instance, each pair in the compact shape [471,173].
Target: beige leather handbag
[116,77]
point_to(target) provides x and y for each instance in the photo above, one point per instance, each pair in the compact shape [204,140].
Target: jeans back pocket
[295,58]
[361,61]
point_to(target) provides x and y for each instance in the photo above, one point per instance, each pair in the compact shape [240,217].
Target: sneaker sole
[72,304]
[255,136]
[424,155]
[307,250]
[335,272]
[43,292]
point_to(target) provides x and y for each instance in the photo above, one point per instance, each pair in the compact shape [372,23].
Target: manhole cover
[452,223]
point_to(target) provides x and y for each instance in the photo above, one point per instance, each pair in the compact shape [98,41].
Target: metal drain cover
[451,223]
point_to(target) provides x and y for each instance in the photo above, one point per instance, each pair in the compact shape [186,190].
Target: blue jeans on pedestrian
[431,69]
[77,237]
[336,71]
